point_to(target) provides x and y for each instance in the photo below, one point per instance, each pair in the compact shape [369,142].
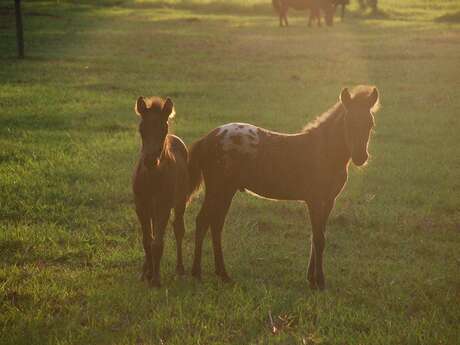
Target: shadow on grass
[211,7]
[449,18]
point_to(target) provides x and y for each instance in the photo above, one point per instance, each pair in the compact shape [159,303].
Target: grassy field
[70,249]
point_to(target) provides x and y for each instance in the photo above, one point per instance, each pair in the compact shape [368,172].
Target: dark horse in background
[310,166]
[315,6]
[160,183]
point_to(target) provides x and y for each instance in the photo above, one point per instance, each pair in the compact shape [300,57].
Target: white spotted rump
[239,137]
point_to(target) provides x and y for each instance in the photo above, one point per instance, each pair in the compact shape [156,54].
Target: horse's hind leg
[221,207]
[202,225]
[179,231]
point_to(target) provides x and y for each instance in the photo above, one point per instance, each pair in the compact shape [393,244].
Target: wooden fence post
[19,30]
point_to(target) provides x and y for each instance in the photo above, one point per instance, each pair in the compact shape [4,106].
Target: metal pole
[19,31]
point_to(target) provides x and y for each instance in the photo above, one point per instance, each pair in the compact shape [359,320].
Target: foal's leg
[144,214]
[319,213]
[162,215]
[220,210]
[179,231]
[311,266]
[202,225]
[147,239]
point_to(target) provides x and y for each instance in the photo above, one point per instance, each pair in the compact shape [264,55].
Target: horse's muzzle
[151,162]
[359,160]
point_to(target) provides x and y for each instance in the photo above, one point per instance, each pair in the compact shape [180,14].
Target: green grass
[70,250]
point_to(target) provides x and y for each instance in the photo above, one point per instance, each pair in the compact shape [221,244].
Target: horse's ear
[374,98]
[345,97]
[168,109]
[140,108]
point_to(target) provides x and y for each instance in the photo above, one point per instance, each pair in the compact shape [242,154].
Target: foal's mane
[327,117]
[360,93]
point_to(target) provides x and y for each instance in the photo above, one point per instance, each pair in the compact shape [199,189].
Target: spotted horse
[309,166]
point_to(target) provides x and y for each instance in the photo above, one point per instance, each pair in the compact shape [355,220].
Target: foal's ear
[345,97]
[168,109]
[374,98]
[140,108]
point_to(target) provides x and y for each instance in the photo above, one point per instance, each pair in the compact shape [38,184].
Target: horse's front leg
[179,231]
[144,214]
[161,216]
[285,18]
[147,239]
[319,213]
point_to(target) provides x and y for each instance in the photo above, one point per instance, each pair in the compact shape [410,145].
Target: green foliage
[70,250]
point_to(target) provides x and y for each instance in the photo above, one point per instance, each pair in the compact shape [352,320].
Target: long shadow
[212,7]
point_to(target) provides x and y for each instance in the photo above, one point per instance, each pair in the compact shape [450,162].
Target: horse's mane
[360,93]
[167,152]
[329,115]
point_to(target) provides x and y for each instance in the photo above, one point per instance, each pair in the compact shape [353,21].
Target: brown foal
[160,183]
[310,166]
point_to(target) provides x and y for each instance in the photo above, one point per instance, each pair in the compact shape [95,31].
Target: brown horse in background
[160,183]
[315,6]
[310,166]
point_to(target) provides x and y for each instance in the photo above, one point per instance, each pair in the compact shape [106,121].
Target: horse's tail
[277,6]
[194,165]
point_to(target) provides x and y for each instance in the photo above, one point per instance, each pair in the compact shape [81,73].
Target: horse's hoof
[155,283]
[321,286]
[224,277]
[320,283]
[145,276]
[196,274]
[180,270]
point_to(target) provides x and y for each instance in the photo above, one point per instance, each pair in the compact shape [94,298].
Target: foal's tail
[195,170]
